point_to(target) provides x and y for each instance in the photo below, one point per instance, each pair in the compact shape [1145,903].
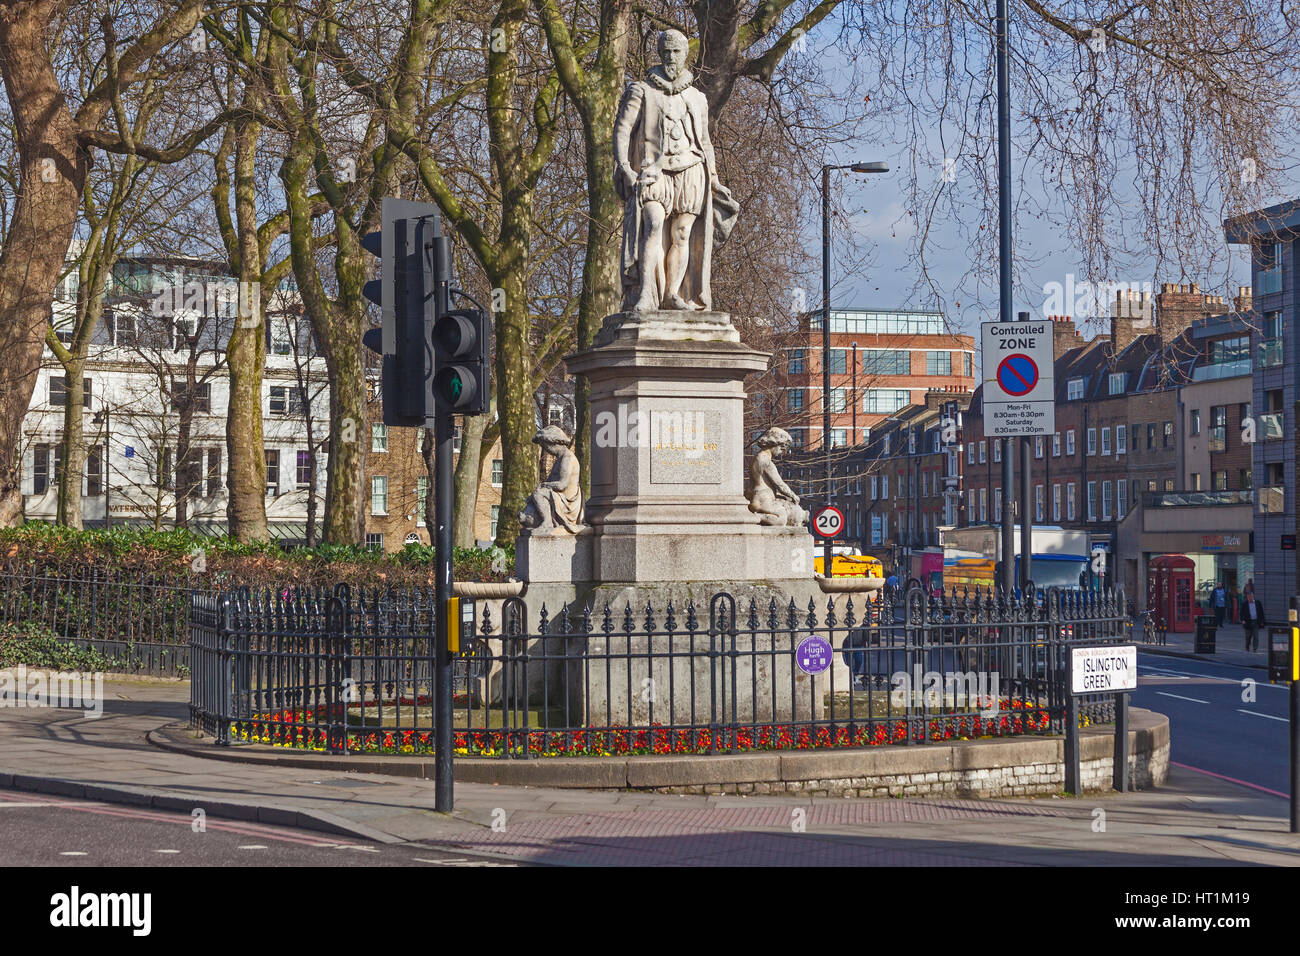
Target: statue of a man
[556,504]
[770,497]
[665,173]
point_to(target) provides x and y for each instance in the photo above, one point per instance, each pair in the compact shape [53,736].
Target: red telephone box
[1171,586]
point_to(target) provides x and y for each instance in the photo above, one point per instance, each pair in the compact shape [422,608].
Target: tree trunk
[345,492]
[52,172]
[469,472]
[246,359]
[74,444]
[514,395]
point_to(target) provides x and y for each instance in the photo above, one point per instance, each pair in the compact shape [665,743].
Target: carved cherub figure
[769,496]
[556,503]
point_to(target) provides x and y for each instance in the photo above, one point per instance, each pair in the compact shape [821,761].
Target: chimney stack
[1178,306]
[1064,335]
[1242,302]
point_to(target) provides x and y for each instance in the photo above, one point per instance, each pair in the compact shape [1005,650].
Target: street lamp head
[870,167]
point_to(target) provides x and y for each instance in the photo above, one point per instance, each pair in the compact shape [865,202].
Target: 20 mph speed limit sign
[828,521]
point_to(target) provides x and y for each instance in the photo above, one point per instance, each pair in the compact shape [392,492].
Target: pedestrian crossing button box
[1283,659]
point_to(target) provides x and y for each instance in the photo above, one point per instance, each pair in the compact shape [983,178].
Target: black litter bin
[1205,633]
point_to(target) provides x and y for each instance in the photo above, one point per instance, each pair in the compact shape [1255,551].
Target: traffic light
[461,378]
[411,292]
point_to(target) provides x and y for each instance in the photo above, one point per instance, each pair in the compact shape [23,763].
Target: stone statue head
[552,436]
[673,48]
[776,439]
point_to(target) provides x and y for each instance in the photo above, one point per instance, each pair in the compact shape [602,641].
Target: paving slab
[1194,820]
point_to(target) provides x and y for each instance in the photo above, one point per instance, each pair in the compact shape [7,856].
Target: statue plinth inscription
[685,448]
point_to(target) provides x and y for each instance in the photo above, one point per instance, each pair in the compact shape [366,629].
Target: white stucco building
[166,324]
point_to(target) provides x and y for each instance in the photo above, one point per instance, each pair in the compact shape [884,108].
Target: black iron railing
[341,671]
[136,619]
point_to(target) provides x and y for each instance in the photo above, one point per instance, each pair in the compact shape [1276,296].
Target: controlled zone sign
[1103,670]
[828,521]
[1019,387]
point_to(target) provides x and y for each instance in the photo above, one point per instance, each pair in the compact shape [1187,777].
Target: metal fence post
[1072,774]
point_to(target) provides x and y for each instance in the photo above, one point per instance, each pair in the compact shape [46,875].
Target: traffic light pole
[443,799]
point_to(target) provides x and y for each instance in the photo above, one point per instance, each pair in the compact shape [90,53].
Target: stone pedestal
[668,458]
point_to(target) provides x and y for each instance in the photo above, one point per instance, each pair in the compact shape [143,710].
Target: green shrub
[165,556]
[37,646]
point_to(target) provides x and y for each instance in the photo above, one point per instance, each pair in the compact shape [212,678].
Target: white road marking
[167,851]
[1180,697]
[72,853]
[253,846]
[353,846]
[1255,713]
[460,861]
[1222,680]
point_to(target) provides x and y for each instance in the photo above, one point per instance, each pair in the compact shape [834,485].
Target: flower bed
[303,730]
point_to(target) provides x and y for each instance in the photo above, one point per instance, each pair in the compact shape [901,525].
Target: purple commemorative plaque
[814,654]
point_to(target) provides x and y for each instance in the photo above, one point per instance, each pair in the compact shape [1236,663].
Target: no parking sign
[1019,387]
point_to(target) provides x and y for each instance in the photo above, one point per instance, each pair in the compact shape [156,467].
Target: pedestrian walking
[1220,601]
[1252,616]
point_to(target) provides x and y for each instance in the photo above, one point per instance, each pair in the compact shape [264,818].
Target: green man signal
[461,378]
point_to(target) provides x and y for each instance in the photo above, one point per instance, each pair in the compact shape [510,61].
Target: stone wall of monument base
[1010,767]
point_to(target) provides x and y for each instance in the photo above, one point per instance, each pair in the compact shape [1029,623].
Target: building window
[1220,481]
[375,541]
[997,504]
[796,437]
[202,393]
[838,400]
[970,505]
[214,472]
[885,400]
[1092,501]
[1056,445]
[1194,422]
[875,488]
[1169,484]
[1196,481]
[1105,441]
[884,486]
[421,499]
[970,453]
[379,495]
[1038,503]
[1056,502]
[1117,382]
[1168,440]
[1069,442]
[1105,500]
[287,401]
[1121,438]
[378,438]
[997,451]
[1151,436]
[498,471]
[272,472]
[1244,479]
[59,392]
[1121,499]
[94,471]
[303,469]
[886,362]
[1092,441]
[984,514]
[1074,389]
[838,362]
[795,366]
[555,415]
[496,520]
[938,363]
[982,451]
[1069,502]
[123,328]
[968,363]
[839,437]
[1038,446]
[794,400]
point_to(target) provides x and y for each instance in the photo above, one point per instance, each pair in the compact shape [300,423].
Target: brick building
[881,361]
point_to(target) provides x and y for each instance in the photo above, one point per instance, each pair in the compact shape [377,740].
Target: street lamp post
[826,328]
